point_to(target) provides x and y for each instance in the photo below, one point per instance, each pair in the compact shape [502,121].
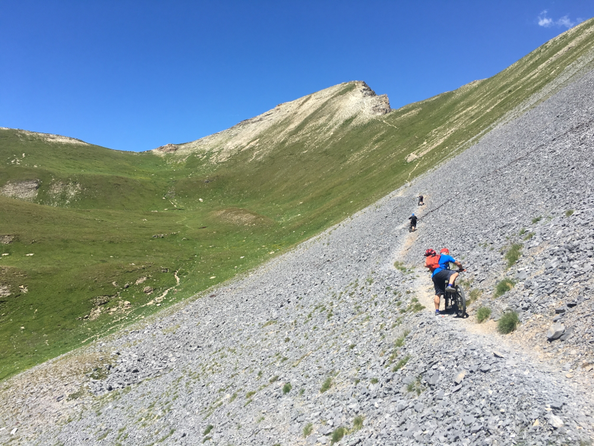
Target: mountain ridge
[359,104]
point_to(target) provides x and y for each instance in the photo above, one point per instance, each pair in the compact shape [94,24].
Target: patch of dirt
[7,239]
[411,157]
[162,297]
[123,306]
[64,193]
[241,217]
[22,190]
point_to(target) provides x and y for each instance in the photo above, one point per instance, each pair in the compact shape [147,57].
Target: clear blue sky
[134,75]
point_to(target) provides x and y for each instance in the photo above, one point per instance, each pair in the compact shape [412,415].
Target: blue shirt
[444,263]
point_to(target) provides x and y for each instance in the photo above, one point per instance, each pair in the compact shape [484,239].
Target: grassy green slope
[139,220]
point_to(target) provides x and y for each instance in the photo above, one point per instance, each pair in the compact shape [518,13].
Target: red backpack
[432,262]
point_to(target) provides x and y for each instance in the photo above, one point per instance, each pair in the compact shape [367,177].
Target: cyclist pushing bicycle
[439,265]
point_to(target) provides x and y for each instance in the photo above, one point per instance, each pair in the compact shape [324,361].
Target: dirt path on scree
[423,290]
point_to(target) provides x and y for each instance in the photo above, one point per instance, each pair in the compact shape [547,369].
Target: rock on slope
[332,335]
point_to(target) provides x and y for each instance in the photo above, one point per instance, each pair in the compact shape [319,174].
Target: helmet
[413,215]
[444,251]
[430,252]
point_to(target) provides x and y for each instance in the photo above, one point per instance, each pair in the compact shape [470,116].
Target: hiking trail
[486,332]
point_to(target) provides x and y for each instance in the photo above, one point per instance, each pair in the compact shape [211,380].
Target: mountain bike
[456,299]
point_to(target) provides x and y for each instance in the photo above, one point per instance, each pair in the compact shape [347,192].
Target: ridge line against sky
[133,75]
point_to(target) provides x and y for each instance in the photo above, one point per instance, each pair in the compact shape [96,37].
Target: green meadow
[112,237]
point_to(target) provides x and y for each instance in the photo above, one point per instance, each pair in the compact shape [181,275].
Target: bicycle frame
[457,298]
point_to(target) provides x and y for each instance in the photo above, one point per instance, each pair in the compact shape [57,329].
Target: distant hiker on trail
[440,272]
[413,223]
[421,200]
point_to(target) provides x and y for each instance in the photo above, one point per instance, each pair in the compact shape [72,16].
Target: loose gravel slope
[330,342]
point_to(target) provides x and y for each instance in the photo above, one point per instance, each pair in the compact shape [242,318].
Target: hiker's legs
[438,284]
[452,279]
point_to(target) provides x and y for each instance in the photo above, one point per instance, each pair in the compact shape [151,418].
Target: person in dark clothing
[421,200]
[413,222]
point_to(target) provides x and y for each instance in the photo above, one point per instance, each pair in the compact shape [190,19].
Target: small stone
[555,421]
[566,334]
[459,377]
[433,380]
[325,430]
[498,355]
[556,405]
[555,331]
[467,419]
[521,275]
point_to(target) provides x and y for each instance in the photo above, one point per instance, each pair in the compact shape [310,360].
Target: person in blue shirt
[443,273]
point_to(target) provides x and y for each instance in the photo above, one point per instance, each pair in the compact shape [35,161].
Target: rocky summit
[320,113]
[337,341]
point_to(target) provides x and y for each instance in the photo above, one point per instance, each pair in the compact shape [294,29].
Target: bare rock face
[4,291]
[6,239]
[23,190]
[382,105]
[63,193]
[167,148]
[353,103]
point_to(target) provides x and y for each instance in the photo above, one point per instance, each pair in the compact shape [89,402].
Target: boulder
[555,332]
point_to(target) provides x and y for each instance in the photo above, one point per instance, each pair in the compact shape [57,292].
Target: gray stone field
[337,340]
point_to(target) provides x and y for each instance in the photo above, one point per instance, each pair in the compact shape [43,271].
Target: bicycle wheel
[460,302]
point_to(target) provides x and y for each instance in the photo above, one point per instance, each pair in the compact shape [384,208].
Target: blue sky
[134,75]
